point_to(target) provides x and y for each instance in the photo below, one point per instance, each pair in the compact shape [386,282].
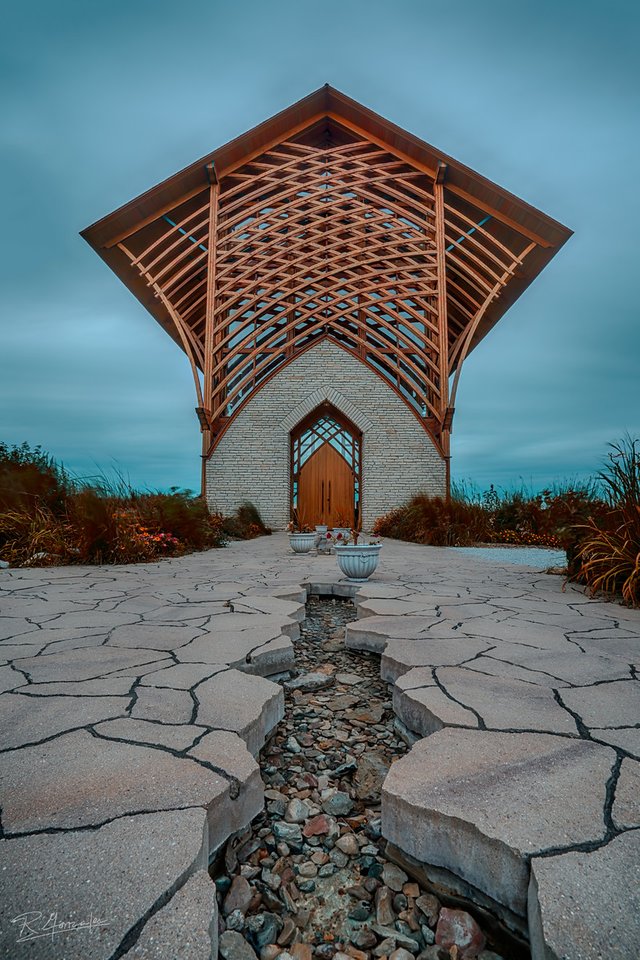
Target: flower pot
[302,542]
[345,531]
[321,532]
[358,561]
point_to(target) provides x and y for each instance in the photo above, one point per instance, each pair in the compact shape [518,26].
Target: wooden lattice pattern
[333,241]
[326,239]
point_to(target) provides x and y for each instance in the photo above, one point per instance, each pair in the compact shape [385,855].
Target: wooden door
[326,489]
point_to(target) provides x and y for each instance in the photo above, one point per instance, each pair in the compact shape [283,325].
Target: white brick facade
[252,460]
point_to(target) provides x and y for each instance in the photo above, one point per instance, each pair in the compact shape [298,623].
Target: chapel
[326,274]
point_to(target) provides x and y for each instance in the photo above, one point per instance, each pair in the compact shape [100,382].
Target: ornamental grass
[607,556]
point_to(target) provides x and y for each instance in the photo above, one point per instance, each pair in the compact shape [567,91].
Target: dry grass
[608,552]
[48,518]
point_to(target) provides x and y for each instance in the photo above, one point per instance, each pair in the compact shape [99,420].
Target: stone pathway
[134,704]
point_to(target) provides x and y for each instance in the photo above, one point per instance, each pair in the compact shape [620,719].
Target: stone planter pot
[321,532]
[302,542]
[345,531]
[358,562]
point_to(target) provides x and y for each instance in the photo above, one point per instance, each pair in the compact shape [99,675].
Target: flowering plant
[297,525]
[339,539]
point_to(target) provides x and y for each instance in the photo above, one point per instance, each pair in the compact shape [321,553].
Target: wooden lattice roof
[327,220]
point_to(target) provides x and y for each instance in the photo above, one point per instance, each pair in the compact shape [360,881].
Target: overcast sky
[100,101]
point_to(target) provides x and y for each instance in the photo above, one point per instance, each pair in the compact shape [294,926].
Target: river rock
[339,858]
[361,911]
[364,939]
[394,877]
[430,907]
[296,811]
[401,954]
[384,910]
[301,951]
[235,921]
[233,946]
[456,928]
[348,844]
[385,947]
[238,897]
[310,681]
[317,826]
[287,933]
[270,952]
[289,832]
[372,769]
[263,929]
[338,804]
[403,939]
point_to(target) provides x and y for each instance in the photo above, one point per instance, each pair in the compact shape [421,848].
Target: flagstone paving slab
[586,905]
[506,704]
[84,780]
[228,702]
[164,705]
[505,798]
[626,738]
[618,701]
[87,664]
[402,655]
[187,928]
[626,806]
[175,736]
[28,720]
[97,874]
[429,709]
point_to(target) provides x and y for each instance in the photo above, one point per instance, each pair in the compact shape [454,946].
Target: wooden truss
[334,229]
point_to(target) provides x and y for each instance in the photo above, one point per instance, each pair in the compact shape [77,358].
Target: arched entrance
[325,463]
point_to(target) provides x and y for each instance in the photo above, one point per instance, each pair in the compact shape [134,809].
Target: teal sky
[101,101]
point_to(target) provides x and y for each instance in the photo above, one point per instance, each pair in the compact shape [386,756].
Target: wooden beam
[214,193]
[443,324]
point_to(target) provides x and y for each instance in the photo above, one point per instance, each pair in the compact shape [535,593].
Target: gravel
[309,879]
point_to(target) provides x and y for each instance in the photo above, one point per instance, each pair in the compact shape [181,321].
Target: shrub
[29,477]
[433,520]
[245,524]
[45,517]
[608,550]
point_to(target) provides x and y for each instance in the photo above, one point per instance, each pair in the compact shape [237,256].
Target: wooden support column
[443,326]
[209,330]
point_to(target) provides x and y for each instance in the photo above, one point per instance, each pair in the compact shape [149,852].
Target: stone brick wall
[251,462]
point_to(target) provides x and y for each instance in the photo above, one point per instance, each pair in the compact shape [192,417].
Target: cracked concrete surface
[532,741]
[133,705]
[131,717]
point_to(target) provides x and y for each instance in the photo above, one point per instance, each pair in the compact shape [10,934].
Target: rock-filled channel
[309,878]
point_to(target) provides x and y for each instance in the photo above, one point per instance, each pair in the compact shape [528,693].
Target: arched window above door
[326,462]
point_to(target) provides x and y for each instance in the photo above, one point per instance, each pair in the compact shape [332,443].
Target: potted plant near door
[357,559]
[302,537]
[341,528]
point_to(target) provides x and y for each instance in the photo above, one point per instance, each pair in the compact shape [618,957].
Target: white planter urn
[302,542]
[321,532]
[345,531]
[358,561]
